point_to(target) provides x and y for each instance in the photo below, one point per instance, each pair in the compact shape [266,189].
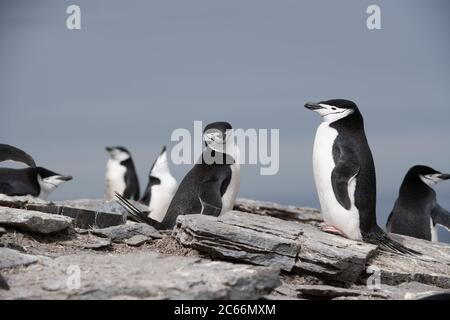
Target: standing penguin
[416,212]
[212,184]
[344,173]
[121,175]
[160,189]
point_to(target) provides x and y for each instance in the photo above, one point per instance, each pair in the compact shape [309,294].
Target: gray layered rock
[304,249]
[137,240]
[11,258]
[140,276]
[85,213]
[126,231]
[290,213]
[264,240]
[33,221]
[432,268]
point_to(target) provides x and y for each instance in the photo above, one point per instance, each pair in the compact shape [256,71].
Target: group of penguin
[344,174]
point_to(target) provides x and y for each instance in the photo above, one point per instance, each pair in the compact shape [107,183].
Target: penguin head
[49,181]
[428,175]
[118,153]
[217,134]
[333,110]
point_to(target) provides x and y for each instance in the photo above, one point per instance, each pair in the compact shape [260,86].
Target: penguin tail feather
[135,214]
[385,242]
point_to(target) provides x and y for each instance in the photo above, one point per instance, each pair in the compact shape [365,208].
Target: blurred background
[137,70]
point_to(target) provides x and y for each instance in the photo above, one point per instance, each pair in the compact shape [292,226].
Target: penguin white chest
[161,196]
[230,194]
[115,179]
[323,165]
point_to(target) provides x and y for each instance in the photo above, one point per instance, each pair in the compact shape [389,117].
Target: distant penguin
[344,173]
[416,212]
[160,189]
[121,175]
[36,182]
[3,284]
[212,184]
[8,152]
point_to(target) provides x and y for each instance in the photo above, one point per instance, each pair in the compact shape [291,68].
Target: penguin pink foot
[330,229]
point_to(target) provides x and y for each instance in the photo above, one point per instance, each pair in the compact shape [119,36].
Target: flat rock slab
[127,231]
[11,258]
[290,213]
[329,292]
[33,221]
[267,241]
[137,240]
[140,276]
[432,268]
[85,213]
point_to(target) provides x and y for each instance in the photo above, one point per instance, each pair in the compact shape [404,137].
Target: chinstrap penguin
[212,184]
[160,189]
[416,212]
[344,173]
[34,181]
[121,175]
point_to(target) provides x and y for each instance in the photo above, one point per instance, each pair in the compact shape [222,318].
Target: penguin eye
[333,108]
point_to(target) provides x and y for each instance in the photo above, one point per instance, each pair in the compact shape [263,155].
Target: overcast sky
[137,70]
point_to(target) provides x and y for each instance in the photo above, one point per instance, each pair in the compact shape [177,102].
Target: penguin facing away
[121,174]
[344,174]
[210,187]
[416,212]
[160,189]
[34,181]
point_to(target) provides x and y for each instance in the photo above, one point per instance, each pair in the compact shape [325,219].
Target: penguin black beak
[109,149]
[313,106]
[65,178]
[445,176]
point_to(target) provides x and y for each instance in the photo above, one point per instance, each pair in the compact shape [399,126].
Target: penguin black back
[352,137]
[416,210]
[187,198]
[8,152]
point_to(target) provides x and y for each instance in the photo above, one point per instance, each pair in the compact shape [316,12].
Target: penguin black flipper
[380,238]
[441,216]
[210,197]
[8,152]
[131,180]
[212,190]
[136,214]
[3,284]
[346,169]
